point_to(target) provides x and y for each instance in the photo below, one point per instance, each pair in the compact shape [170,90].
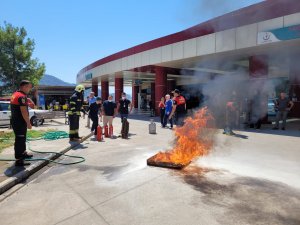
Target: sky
[70,34]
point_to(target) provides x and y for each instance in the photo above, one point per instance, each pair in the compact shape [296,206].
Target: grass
[7,139]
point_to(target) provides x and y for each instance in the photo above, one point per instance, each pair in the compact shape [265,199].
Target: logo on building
[281,34]
[266,37]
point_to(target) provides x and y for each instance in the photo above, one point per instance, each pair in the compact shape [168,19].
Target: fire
[193,139]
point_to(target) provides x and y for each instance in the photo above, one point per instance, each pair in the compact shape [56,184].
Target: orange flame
[193,139]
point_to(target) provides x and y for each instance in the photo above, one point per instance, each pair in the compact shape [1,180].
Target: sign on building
[281,34]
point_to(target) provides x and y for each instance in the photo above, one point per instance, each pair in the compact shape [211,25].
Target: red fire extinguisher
[99,133]
[106,131]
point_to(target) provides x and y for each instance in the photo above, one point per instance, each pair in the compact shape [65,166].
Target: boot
[106,131]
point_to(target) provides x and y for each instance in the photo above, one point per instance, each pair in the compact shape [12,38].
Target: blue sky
[70,34]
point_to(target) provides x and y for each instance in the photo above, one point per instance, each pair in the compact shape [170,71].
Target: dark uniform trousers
[74,126]
[74,114]
[180,119]
[95,124]
[20,130]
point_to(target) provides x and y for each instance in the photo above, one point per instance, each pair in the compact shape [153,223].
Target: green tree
[16,62]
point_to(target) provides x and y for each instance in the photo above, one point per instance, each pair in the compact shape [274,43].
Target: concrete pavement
[251,178]
[11,175]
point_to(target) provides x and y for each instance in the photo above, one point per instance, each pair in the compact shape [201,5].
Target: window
[4,106]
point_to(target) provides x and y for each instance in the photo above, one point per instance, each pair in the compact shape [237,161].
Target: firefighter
[20,121]
[76,101]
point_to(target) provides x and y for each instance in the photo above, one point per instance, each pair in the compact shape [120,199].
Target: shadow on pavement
[291,133]
[79,147]
[240,136]
[13,170]
[245,199]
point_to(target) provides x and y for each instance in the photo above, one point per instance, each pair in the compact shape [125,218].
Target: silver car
[5,114]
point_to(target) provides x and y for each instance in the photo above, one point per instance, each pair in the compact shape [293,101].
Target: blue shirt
[92,100]
[169,105]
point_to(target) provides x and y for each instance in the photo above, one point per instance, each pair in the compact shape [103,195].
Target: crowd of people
[106,111]
[254,113]
[172,108]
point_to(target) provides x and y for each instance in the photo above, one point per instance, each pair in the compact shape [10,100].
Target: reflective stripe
[78,113]
[78,100]
[72,102]
[70,113]
[73,131]
[73,108]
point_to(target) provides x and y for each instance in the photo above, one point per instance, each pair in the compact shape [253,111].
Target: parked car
[271,107]
[5,114]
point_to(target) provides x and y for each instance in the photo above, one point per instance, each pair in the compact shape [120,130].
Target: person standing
[76,101]
[123,105]
[168,110]
[95,114]
[257,114]
[283,105]
[162,107]
[92,98]
[179,107]
[109,111]
[20,121]
[231,115]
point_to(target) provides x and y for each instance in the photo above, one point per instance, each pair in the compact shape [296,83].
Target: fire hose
[48,136]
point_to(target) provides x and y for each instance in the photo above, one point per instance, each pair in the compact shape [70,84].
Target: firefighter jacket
[76,101]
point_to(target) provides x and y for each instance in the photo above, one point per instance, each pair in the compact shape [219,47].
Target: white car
[5,114]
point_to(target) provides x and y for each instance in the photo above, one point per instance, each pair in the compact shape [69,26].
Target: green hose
[48,136]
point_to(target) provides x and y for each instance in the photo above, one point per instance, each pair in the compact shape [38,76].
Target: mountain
[49,80]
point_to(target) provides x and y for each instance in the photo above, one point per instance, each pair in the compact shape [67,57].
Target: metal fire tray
[170,165]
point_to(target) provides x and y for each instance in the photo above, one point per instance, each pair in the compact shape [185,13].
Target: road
[252,178]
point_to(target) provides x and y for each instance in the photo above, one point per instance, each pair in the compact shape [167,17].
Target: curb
[24,174]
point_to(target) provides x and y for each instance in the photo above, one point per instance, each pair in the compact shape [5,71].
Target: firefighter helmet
[79,88]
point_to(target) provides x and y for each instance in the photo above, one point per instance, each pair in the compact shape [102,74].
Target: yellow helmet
[79,88]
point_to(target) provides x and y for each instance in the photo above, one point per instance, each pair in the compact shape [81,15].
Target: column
[160,86]
[171,85]
[104,90]
[153,95]
[295,85]
[258,73]
[95,88]
[135,91]
[258,66]
[118,88]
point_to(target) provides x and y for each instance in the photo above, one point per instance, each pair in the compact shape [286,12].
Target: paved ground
[7,169]
[252,178]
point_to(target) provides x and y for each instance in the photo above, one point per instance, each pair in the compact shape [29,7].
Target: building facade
[258,44]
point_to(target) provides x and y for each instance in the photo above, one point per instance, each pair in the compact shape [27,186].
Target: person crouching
[95,113]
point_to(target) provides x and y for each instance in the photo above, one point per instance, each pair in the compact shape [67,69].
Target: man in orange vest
[20,121]
[179,108]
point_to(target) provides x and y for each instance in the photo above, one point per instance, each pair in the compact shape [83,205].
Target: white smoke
[203,10]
